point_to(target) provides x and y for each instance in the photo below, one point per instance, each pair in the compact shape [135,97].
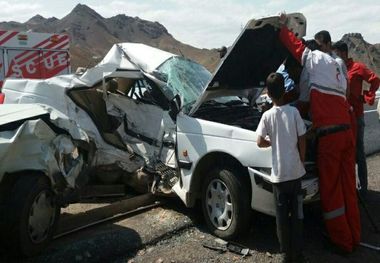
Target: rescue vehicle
[33,55]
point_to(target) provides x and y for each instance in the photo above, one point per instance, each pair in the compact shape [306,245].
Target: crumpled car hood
[15,112]
[11,113]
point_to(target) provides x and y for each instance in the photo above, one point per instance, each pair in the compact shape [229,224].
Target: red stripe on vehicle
[39,45]
[35,46]
[35,54]
[41,62]
[58,47]
[54,72]
[8,37]
[41,71]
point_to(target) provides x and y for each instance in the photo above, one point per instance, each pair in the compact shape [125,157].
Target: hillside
[93,35]
[361,50]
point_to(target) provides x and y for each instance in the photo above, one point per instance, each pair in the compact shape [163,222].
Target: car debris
[238,249]
[39,147]
[218,248]
[223,247]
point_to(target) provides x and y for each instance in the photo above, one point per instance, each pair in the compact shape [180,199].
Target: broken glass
[184,77]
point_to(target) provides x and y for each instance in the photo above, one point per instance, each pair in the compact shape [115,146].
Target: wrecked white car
[147,118]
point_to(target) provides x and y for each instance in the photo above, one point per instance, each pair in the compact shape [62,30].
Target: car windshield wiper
[210,103]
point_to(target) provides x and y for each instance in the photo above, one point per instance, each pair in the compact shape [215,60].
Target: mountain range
[92,35]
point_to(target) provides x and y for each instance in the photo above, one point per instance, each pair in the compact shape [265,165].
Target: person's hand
[369,97]
[283,18]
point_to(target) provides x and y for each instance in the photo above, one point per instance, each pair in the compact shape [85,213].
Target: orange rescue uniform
[336,152]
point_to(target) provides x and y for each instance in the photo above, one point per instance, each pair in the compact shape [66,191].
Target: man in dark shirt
[357,72]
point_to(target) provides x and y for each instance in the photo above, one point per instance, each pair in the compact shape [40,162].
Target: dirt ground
[187,246]
[172,233]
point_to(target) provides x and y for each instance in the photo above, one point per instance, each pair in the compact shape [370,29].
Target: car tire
[226,203]
[31,216]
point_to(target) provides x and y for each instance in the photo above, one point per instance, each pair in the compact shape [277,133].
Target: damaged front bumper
[262,189]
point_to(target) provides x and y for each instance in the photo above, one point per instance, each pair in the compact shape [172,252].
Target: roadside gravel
[187,246]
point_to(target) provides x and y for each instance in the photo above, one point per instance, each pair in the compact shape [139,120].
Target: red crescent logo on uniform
[337,74]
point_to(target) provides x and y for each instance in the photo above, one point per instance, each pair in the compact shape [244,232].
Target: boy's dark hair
[341,46]
[275,85]
[323,36]
[312,45]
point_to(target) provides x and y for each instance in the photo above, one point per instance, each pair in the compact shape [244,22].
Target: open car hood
[254,55]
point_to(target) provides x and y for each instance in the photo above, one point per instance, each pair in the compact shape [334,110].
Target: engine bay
[232,111]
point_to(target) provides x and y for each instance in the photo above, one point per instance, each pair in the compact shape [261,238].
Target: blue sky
[214,23]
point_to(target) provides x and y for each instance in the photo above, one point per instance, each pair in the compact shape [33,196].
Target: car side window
[139,90]
[136,89]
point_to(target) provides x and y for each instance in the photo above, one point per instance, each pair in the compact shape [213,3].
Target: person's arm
[292,43]
[303,108]
[302,147]
[373,80]
[345,73]
[262,142]
[348,90]
[301,131]
[262,132]
[303,104]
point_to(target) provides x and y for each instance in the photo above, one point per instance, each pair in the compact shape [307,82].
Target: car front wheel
[32,215]
[226,203]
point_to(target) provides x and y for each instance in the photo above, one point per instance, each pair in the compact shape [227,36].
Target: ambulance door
[23,63]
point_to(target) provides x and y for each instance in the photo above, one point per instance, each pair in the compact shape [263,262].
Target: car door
[145,124]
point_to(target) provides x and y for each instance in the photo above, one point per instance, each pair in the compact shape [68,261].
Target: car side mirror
[175,107]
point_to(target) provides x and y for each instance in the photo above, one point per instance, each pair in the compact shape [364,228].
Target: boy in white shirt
[286,131]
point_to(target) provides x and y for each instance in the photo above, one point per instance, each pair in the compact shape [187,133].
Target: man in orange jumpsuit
[357,72]
[335,155]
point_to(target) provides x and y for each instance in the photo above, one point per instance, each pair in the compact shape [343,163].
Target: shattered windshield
[184,77]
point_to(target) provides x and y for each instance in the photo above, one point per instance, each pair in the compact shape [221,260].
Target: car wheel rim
[219,204]
[41,217]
